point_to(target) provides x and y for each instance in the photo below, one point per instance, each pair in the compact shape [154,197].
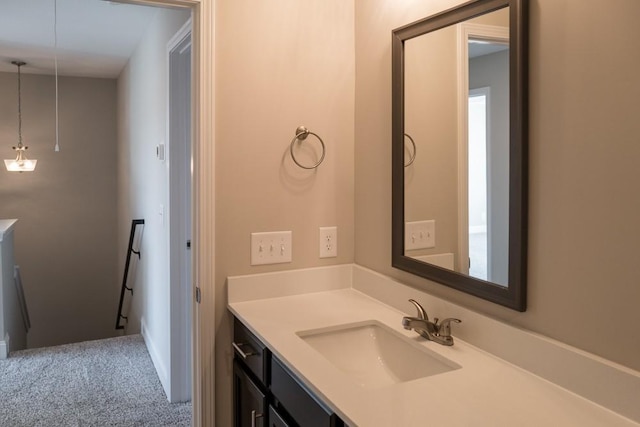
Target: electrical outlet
[420,235]
[271,247]
[328,242]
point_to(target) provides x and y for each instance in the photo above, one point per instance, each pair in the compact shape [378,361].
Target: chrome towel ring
[413,156]
[301,134]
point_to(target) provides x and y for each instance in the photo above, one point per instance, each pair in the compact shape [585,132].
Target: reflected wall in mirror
[459,163]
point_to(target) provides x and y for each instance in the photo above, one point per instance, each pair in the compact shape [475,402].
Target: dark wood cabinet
[267,393]
[275,419]
[305,408]
[249,400]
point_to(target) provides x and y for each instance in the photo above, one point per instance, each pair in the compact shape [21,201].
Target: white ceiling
[95,37]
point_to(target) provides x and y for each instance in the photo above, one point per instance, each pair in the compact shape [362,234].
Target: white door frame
[203,203]
[179,212]
[486,92]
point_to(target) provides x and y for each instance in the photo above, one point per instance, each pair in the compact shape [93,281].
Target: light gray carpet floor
[108,382]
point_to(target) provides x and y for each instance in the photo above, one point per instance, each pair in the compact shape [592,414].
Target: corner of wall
[4,347]
[156,358]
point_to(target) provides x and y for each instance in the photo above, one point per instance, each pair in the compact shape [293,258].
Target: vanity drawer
[250,351]
[297,401]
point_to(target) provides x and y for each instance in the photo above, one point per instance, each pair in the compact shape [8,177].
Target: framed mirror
[459,149]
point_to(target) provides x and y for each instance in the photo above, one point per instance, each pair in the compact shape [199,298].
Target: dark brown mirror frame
[514,296]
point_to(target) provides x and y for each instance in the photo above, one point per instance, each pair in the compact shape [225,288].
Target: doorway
[179,161]
[479,188]
[203,173]
[203,183]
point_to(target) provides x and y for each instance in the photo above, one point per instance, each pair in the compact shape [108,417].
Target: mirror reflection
[456,208]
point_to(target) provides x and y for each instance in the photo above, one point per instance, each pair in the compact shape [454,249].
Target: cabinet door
[298,402]
[249,402]
[275,420]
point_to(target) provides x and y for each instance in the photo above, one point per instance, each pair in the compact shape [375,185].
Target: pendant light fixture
[20,163]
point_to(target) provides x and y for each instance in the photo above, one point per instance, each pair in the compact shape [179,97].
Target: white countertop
[486,391]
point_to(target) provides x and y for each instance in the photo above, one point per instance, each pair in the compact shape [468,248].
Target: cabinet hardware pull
[239,350]
[254,417]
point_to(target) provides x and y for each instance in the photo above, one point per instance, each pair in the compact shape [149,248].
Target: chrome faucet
[433,331]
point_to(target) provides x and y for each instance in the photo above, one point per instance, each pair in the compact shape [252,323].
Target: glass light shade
[23,165]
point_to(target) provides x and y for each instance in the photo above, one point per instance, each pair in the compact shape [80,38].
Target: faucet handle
[444,329]
[421,313]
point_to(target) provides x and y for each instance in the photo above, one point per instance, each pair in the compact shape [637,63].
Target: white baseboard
[161,369]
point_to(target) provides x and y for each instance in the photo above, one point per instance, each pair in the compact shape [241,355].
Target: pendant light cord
[55,49]
[19,110]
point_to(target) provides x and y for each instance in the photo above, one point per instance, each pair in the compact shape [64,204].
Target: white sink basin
[375,355]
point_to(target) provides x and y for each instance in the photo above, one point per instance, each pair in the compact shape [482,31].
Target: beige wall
[584,201]
[65,238]
[431,119]
[280,64]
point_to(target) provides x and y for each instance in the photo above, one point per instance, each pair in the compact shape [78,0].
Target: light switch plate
[419,235]
[272,247]
[328,242]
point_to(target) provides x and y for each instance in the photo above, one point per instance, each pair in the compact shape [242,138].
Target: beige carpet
[108,382]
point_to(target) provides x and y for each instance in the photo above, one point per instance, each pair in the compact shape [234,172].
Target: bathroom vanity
[268,393]
[305,325]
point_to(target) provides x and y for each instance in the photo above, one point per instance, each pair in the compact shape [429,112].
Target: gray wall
[143,184]
[65,239]
[584,155]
